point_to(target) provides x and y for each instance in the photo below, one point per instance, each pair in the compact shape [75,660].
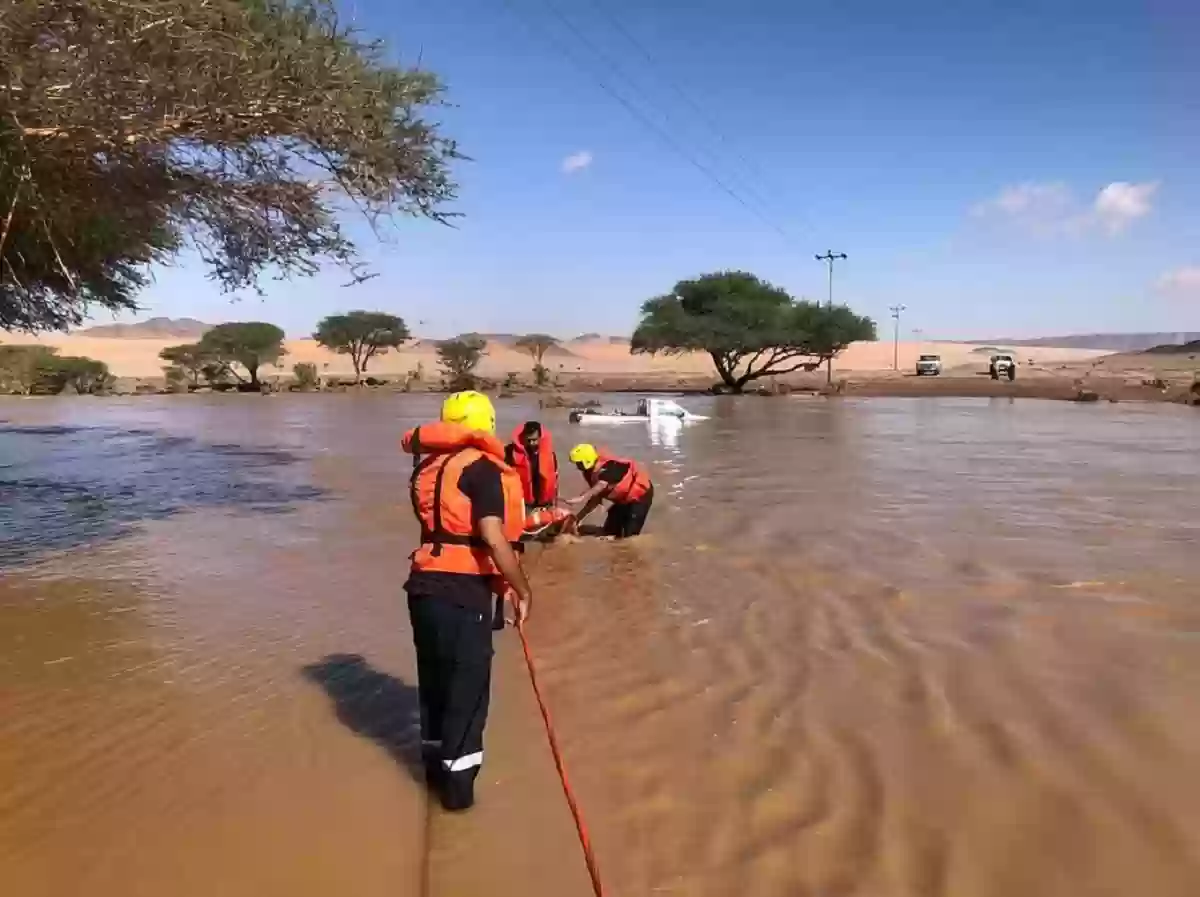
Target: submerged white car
[647,411]
[929,364]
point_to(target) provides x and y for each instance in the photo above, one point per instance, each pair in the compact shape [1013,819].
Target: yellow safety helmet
[471,409]
[584,454]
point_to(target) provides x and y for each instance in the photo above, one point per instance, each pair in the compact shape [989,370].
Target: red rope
[584,841]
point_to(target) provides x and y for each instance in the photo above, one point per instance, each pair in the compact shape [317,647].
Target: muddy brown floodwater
[889,647]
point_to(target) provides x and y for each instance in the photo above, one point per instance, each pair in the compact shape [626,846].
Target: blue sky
[1001,168]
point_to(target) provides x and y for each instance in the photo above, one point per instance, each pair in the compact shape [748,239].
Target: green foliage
[190,359]
[86,376]
[250,344]
[132,128]
[20,367]
[306,375]
[536,345]
[750,328]
[40,370]
[361,335]
[459,358]
[178,380]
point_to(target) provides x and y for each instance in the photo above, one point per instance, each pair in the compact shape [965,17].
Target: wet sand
[878,647]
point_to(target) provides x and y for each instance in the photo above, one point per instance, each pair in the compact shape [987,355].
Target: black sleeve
[480,482]
[510,454]
[613,472]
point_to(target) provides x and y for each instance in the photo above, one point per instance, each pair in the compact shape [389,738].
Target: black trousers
[628,519]
[454,670]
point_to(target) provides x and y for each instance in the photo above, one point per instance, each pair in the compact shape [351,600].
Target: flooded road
[877,647]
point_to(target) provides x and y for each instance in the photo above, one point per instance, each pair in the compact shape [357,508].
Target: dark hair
[531,428]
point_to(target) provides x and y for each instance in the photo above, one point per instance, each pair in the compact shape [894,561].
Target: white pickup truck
[929,364]
[1003,366]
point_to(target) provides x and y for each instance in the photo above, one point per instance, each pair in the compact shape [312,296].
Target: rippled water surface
[881,647]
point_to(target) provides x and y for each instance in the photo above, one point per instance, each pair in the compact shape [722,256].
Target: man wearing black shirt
[620,481]
[623,520]
[471,513]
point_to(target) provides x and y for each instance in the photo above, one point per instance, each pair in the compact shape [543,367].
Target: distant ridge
[600,339]
[152,328]
[1191,347]
[1112,342]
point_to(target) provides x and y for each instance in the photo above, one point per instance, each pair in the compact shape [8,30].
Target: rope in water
[580,826]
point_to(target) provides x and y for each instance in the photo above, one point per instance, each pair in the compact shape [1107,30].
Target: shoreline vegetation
[685,337]
[42,372]
[362,351]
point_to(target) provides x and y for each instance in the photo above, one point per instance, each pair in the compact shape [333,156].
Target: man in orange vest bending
[471,509]
[620,481]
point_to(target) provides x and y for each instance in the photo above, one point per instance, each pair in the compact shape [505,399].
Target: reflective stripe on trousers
[467,761]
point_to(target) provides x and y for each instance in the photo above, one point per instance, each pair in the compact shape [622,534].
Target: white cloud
[1120,204]
[1181,283]
[577,162]
[1051,209]
[1042,208]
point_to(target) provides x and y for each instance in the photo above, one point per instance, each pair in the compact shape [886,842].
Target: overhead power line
[698,110]
[605,83]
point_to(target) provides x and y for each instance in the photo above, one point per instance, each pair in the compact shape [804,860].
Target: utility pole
[896,309]
[830,257]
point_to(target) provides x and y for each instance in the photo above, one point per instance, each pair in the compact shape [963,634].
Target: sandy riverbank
[606,365]
[583,357]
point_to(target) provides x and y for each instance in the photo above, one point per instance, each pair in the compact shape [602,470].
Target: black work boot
[432,761]
[457,790]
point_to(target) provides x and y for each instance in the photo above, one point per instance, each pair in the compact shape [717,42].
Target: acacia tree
[132,129]
[748,327]
[21,366]
[459,358]
[250,344]
[86,376]
[362,335]
[190,360]
[536,345]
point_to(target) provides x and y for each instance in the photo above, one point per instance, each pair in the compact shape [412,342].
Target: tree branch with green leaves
[239,129]
[362,335]
[750,328]
[536,345]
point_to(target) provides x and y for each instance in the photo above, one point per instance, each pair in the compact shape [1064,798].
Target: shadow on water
[375,705]
[66,486]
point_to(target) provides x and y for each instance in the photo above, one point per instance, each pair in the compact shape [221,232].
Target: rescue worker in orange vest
[531,455]
[471,509]
[620,481]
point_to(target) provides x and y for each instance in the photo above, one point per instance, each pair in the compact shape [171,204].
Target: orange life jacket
[518,457]
[633,486]
[539,519]
[449,543]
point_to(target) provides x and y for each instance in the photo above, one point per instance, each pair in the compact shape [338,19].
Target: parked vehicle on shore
[1003,366]
[929,364]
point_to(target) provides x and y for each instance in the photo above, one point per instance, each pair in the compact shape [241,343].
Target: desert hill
[1111,342]
[182,329]
[1189,348]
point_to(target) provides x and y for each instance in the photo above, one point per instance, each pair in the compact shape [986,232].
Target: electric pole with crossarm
[896,310]
[830,257]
